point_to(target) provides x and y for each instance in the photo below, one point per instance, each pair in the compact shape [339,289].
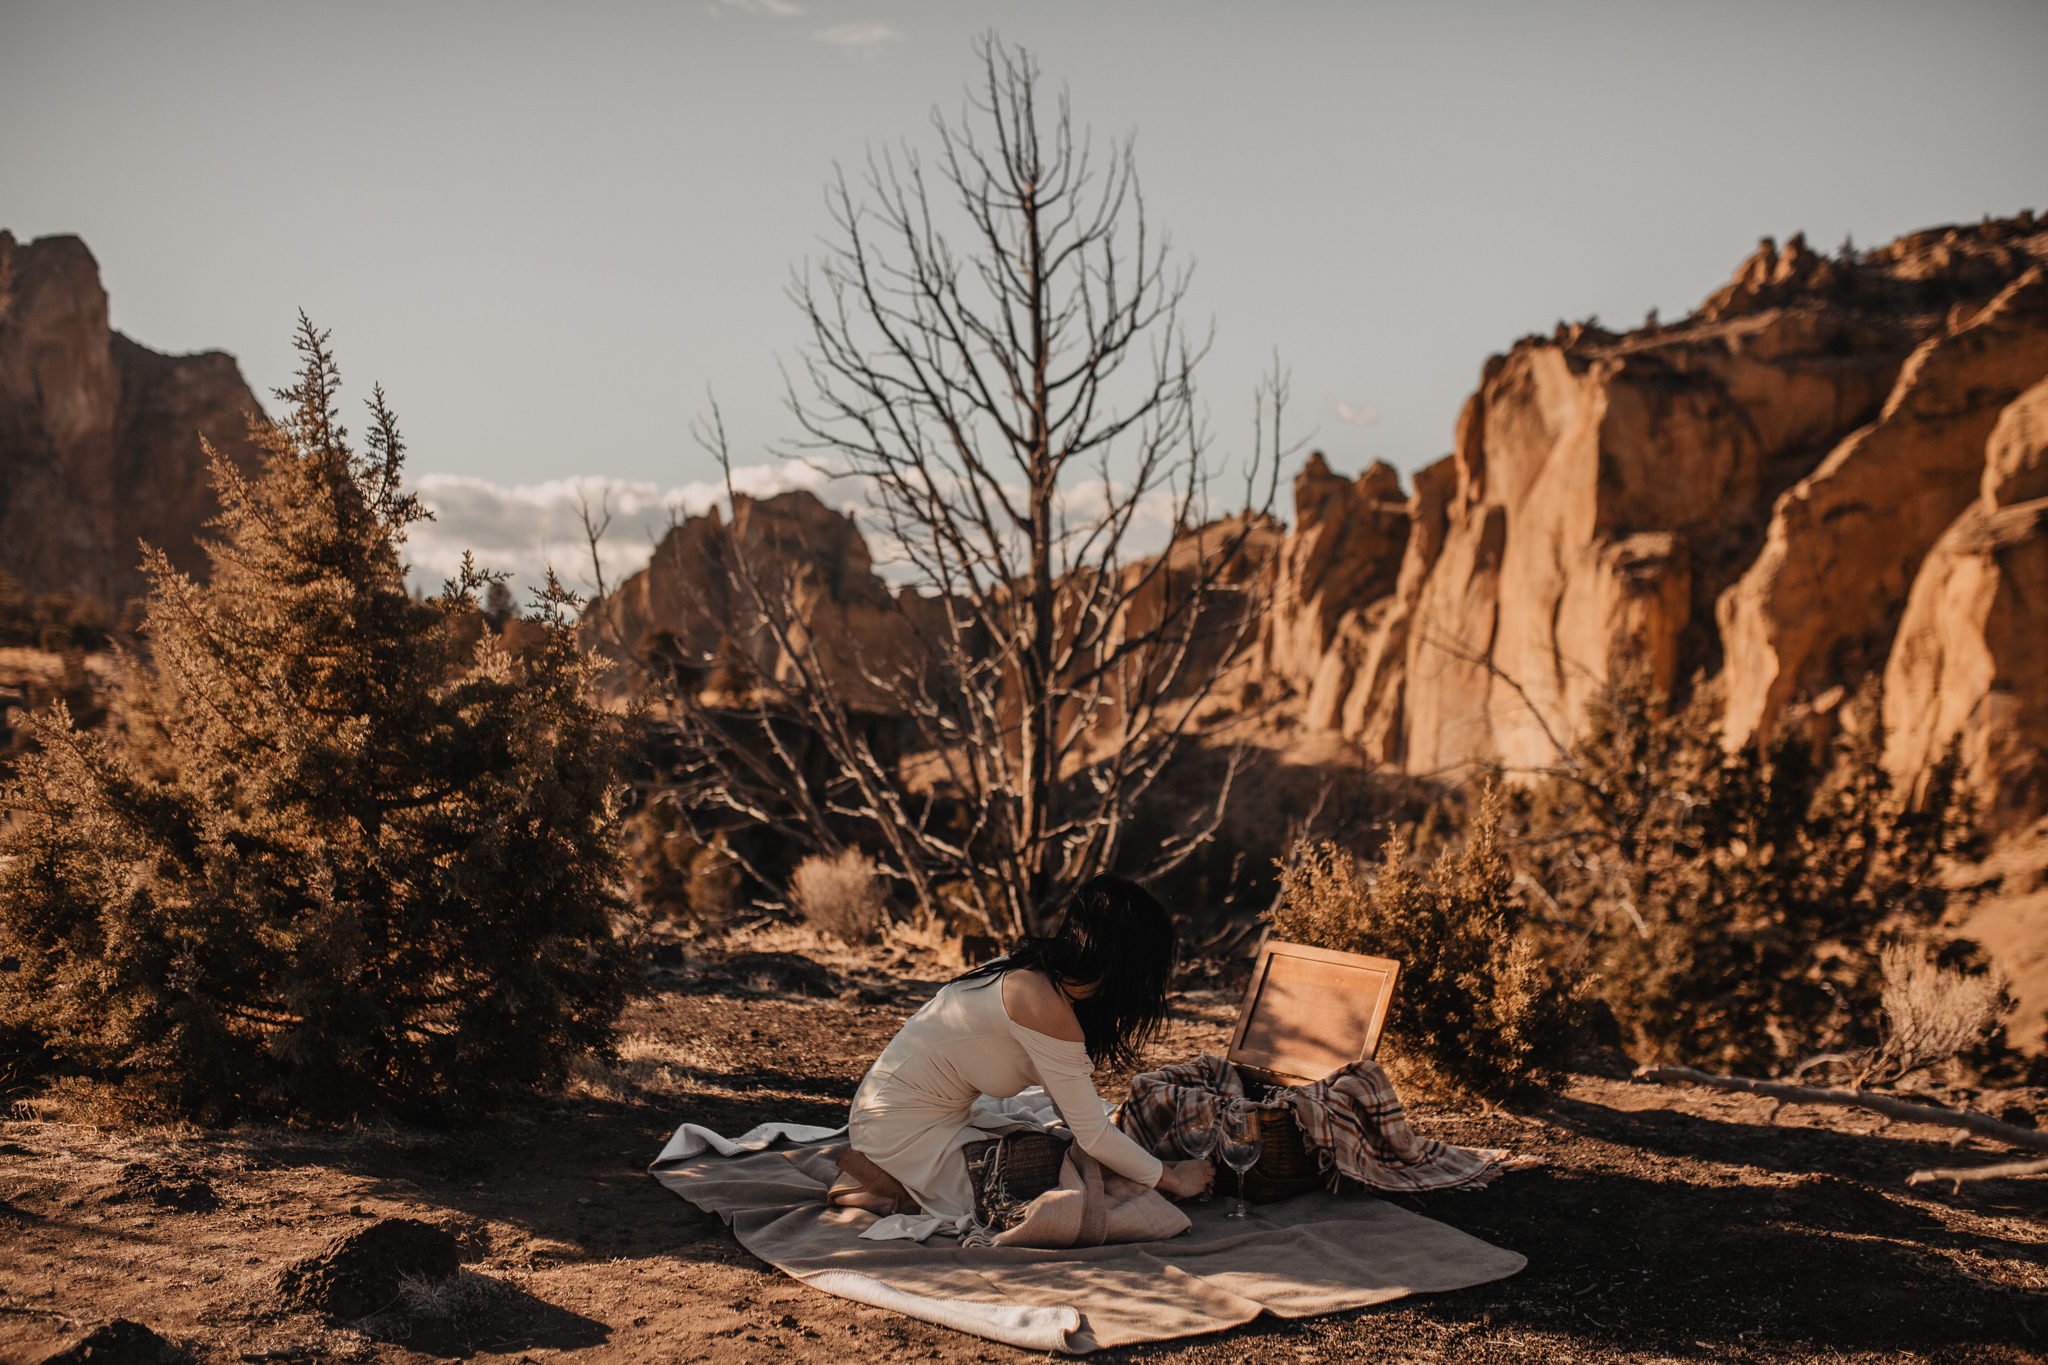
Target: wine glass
[1239,1150]
[1200,1144]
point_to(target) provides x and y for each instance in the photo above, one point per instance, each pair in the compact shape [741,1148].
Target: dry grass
[464,1294]
[1932,1012]
[843,896]
[647,1065]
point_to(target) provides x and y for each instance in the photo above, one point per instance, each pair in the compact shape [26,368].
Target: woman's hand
[1183,1178]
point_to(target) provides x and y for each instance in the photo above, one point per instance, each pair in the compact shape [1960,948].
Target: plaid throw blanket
[1351,1119]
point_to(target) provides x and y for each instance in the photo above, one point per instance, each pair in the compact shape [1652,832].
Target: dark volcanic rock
[119,1342]
[789,973]
[362,1273]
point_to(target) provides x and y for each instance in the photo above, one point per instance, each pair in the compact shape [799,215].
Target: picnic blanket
[1315,1253]
[1352,1120]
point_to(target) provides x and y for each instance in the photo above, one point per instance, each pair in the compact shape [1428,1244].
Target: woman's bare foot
[848,1193]
[864,1185]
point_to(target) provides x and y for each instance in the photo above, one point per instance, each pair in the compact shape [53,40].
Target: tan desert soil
[1664,1225]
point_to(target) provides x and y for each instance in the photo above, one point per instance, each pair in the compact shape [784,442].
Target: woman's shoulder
[1032,1001]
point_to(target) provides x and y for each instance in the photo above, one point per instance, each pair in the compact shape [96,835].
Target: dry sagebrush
[1931,1012]
[842,895]
[1478,1011]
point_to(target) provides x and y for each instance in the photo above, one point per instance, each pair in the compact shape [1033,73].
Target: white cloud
[523,529]
[778,9]
[863,36]
[1358,414]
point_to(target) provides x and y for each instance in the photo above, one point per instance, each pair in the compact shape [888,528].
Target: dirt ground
[1663,1225]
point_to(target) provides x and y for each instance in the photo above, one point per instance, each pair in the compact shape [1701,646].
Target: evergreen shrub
[344,854]
[1736,905]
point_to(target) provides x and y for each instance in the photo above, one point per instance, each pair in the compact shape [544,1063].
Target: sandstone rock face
[1374,691]
[1822,600]
[1607,489]
[1746,496]
[1346,549]
[1342,559]
[2016,457]
[1971,661]
[1969,664]
[100,437]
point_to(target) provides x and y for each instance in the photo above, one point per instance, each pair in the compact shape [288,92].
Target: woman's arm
[1043,1021]
[1064,1071]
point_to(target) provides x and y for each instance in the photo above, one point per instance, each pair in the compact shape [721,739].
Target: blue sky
[551,231]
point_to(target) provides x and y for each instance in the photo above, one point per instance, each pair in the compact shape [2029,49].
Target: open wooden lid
[1309,1011]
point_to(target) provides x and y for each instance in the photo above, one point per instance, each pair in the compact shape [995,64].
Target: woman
[1047,1014]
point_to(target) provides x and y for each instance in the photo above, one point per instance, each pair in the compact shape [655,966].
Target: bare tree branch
[2003,1171]
[594,528]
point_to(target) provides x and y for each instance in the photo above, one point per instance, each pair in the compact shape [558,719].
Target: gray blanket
[1314,1253]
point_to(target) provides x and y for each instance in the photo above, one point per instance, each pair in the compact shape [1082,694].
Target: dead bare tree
[1018,407]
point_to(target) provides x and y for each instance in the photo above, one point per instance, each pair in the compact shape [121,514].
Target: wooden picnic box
[1307,1012]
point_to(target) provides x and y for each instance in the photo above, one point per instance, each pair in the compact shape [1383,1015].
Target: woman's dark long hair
[1113,932]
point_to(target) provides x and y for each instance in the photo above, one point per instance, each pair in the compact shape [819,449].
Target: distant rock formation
[685,608]
[99,436]
[688,611]
[1828,474]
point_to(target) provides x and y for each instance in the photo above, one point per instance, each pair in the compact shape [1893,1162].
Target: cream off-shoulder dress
[912,1112]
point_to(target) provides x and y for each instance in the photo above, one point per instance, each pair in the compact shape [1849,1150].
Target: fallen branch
[1983,1125]
[1999,1172]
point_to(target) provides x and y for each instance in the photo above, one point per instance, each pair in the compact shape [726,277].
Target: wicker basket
[1286,1167]
[1307,1012]
[1009,1172]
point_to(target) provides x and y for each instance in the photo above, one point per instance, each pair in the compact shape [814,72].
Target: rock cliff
[1970,659]
[683,611]
[1827,474]
[1831,474]
[99,436]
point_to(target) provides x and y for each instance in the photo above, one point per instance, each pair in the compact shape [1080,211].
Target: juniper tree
[1736,904]
[345,855]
